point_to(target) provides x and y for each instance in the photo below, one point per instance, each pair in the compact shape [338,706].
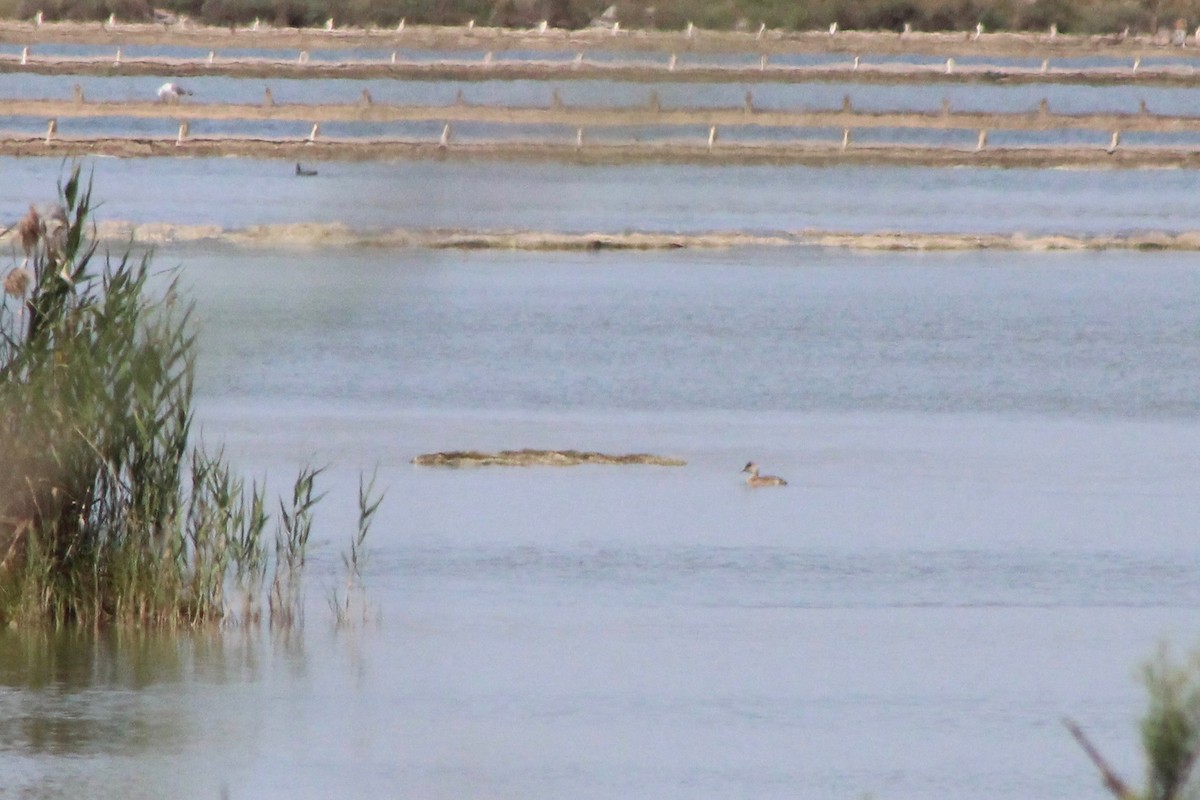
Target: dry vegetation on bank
[1070,16]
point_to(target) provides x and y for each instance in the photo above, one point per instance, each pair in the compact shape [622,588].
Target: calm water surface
[235,193]
[991,519]
[990,523]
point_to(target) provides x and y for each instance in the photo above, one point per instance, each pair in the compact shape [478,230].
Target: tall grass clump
[1170,733]
[108,514]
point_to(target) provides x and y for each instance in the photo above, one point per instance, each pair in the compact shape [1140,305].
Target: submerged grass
[108,514]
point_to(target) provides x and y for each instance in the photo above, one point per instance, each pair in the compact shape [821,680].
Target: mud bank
[800,153]
[540,458]
[318,235]
[666,70]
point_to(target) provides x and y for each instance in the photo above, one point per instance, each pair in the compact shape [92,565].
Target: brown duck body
[754,479]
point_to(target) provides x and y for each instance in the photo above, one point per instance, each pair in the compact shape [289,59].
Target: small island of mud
[539,458]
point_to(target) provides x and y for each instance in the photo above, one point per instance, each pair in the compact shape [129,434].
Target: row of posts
[489,60]
[444,139]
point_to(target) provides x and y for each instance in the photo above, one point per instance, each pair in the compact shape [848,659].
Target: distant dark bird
[307,173]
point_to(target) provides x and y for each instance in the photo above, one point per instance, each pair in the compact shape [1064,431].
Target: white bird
[171,92]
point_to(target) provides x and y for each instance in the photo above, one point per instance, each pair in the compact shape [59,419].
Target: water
[236,193]
[990,519]
[990,522]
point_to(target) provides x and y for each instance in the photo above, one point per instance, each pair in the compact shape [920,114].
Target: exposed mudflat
[315,235]
[539,458]
[682,152]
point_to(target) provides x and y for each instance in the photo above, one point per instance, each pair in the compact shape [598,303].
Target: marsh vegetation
[109,512]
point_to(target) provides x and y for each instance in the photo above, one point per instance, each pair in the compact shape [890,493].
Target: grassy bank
[1070,16]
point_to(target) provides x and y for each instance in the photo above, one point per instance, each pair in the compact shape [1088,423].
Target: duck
[307,173]
[754,479]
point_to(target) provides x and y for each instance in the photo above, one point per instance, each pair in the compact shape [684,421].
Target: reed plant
[1170,733]
[108,512]
[351,605]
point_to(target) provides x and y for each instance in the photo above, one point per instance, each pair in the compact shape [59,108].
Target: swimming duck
[754,479]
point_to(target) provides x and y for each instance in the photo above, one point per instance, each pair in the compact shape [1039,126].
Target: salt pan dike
[313,235]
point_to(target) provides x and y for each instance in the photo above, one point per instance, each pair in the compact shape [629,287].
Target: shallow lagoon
[236,193]
[956,564]
[990,522]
